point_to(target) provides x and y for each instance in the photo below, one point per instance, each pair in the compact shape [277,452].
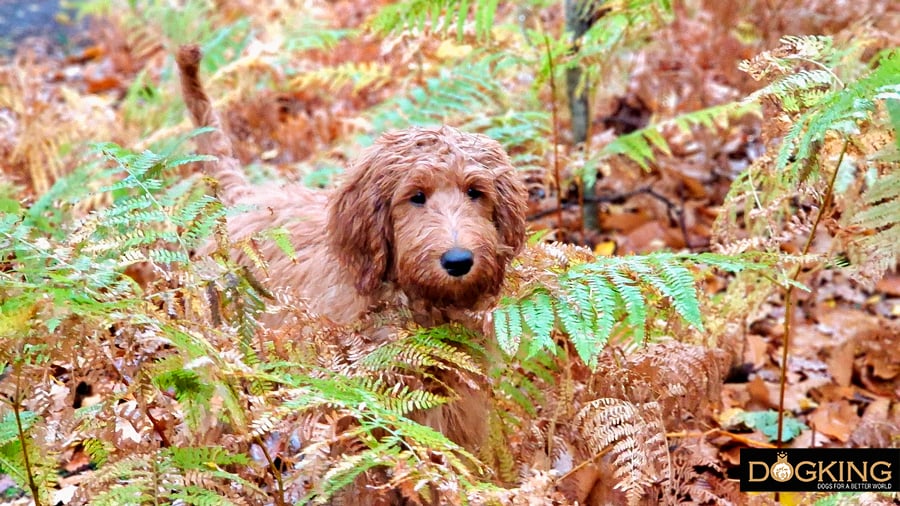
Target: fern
[634,435]
[376,407]
[193,475]
[357,76]
[833,101]
[641,145]
[423,349]
[435,15]
[595,299]
[20,459]
[473,95]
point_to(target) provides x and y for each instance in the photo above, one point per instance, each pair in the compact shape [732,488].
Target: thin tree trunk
[580,16]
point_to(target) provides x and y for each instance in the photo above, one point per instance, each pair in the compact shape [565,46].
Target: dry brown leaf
[840,364]
[889,284]
[837,419]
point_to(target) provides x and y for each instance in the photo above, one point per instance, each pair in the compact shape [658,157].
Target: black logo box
[821,469]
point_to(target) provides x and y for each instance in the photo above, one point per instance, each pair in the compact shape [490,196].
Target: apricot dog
[427,216]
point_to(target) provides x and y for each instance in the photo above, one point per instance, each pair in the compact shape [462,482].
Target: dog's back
[292,207]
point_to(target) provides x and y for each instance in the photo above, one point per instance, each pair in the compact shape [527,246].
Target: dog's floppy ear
[509,212]
[359,224]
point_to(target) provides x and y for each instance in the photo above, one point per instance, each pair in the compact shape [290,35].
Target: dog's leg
[227,170]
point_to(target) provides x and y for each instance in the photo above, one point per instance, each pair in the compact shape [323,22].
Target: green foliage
[354,413]
[622,23]
[377,406]
[357,76]
[438,16]
[81,272]
[425,348]
[472,94]
[642,144]
[592,301]
[20,459]
[767,423]
[880,212]
[830,107]
[192,475]
[831,99]
[143,216]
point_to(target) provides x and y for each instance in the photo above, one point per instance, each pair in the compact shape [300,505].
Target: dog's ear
[509,212]
[359,224]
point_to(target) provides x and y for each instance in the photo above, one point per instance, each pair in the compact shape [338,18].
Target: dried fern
[828,99]
[635,439]
[193,475]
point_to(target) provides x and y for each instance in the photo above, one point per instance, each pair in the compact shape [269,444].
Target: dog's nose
[457,261]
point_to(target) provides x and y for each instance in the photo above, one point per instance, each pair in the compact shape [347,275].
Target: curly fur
[370,240]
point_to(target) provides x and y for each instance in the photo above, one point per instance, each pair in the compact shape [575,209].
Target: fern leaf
[537,311]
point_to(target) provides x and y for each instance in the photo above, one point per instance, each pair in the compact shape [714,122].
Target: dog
[430,217]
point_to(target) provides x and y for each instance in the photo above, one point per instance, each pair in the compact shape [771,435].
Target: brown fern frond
[635,438]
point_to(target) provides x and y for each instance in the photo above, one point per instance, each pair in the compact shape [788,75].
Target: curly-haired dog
[429,216]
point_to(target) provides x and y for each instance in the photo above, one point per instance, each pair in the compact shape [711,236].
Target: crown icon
[782,455]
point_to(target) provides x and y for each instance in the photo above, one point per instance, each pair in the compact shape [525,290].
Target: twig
[789,291]
[676,213]
[719,432]
[276,473]
[577,468]
[17,407]
[554,119]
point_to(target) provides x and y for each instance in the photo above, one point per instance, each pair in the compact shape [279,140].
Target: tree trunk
[580,16]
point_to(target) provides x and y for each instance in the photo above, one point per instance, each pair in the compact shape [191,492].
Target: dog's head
[435,210]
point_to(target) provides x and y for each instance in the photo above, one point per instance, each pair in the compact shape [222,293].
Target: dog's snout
[457,261]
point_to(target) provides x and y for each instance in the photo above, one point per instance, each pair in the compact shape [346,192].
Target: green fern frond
[36,468]
[879,213]
[97,449]
[438,16]
[592,300]
[641,145]
[306,36]
[840,109]
[204,458]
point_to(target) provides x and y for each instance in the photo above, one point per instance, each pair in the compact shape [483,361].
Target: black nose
[457,261]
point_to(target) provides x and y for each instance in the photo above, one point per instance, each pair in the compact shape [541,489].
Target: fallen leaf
[836,419]
[889,284]
[605,248]
[840,364]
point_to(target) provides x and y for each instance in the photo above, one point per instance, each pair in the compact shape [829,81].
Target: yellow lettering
[808,475]
[761,464]
[862,474]
[884,475]
[826,469]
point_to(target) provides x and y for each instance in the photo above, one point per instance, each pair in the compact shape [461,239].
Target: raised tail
[227,169]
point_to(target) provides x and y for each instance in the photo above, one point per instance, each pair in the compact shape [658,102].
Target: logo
[781,471]
[815,469]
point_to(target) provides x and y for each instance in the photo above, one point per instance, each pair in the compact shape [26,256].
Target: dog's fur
[371,240]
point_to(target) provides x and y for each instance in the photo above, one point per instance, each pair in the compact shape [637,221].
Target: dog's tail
[227,169]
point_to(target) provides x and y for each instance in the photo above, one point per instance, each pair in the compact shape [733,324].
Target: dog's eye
[473,193]
[418,199]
